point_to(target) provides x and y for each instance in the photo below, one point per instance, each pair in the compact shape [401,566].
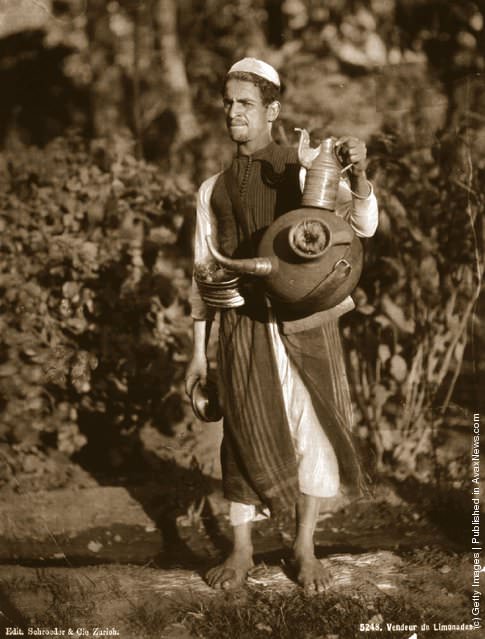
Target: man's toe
[212,576]
[221,578]
[229,579]
[321,587]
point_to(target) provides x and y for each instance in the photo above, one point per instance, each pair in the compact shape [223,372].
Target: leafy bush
[94,310]
[419,289]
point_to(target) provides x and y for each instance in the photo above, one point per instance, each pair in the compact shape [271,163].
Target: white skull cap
[258,67]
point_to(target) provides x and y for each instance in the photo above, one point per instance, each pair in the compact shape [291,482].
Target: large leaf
[429,276]
[396,314]
[399,368]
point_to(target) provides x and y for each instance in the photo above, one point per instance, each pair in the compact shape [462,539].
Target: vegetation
[94,299]
[419,290]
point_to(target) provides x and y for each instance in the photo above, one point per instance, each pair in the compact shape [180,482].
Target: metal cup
[205,401]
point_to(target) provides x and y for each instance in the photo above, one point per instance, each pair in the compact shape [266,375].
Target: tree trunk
[136,111]
[175,80]
[106,85]
[275,23]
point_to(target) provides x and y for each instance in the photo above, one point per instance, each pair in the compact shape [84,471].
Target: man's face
[247,118]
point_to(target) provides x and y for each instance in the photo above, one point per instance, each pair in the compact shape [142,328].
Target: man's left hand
[353,150]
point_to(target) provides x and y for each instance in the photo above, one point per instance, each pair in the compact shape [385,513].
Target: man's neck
[248,148]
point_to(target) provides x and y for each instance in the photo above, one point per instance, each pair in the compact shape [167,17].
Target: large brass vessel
[310,258]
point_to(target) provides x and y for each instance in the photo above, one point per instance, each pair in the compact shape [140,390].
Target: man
[285,395]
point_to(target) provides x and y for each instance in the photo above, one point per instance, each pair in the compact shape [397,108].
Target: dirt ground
[126,555]
[372,589]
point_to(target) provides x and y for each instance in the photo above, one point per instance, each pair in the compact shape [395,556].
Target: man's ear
[273,110]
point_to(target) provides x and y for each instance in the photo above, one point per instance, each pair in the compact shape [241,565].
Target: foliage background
[111,119]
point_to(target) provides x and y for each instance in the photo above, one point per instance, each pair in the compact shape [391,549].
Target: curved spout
[259,266]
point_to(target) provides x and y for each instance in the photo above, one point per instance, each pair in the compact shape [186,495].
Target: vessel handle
[342,236]
[336,147]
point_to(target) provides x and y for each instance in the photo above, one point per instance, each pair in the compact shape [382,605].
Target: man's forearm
[201,333]
[198,365]
[359,184]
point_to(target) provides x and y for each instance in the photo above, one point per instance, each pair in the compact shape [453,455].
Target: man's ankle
[303,548]
[243,550]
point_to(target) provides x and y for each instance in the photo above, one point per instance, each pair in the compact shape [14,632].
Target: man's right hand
[196,371]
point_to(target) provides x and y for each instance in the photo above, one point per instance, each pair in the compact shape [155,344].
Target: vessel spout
[258,266]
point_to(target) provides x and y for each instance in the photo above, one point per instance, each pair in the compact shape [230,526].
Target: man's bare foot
[231,573]
[310,573]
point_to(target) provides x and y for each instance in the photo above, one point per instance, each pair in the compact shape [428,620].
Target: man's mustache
[236,122]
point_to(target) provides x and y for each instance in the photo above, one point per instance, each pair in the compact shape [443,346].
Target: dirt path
[137,525]
[137,601]
[391,564]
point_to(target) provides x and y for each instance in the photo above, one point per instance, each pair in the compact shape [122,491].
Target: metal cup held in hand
[205,401]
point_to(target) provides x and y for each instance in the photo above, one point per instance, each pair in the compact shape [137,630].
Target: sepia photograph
[242,327]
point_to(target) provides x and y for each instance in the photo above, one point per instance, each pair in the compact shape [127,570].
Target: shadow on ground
[10,616]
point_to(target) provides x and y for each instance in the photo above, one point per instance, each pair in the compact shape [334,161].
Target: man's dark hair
[269,91]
